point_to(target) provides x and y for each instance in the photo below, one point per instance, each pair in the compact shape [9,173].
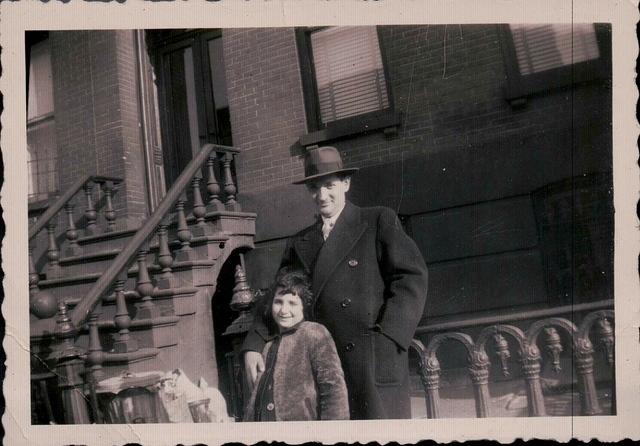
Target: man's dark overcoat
[370,283]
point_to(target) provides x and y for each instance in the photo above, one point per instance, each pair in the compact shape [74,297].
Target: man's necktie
[327,226]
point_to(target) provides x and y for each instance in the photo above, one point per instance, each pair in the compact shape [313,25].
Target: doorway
[192,93]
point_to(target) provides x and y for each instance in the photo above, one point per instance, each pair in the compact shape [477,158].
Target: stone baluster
[165,259]
[184,233]
[53,269]
[69,370]
[213,188]
[95,358]
[95,354]
[122,320]
[144,287]
[430,377]
[90,212]
[72,233]
[531,370]
[199,210]
[586,383]
[109,212]
[479,372]
[230,189]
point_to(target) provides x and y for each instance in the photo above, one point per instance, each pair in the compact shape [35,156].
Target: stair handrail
[63,199]
[86,305]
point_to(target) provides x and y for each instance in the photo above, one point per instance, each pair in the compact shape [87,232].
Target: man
[370,285]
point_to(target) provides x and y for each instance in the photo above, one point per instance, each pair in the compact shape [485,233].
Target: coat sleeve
[405,280]
[333,401]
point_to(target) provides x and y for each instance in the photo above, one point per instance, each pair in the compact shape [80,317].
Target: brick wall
[265,100]
[96,113]
[446,80]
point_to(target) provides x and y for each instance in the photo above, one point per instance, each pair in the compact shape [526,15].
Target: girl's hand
[253,365]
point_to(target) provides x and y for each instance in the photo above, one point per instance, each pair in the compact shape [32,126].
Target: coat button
[349,346]
[345,303]
[270,407]
[353,262]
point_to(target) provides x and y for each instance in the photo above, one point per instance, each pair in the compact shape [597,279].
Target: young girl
[303,377]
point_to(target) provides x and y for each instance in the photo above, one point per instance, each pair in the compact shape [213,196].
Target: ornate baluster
[430,377]
[502,352]
[199,210]
[95,354]
[122,320]
[69,369]
[145,287]
[604,330]
[586,383]
[229,187]
[53,269]
[165,260]
[553,347]
[213,188]
[479,372]
[184,234]
[95,359]
[72,233]
[109,212]
[90,213]
[531,370]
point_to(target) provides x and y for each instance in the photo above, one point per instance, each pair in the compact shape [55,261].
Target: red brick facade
[96,112]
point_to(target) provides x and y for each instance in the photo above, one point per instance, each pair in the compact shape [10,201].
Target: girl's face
[287,309]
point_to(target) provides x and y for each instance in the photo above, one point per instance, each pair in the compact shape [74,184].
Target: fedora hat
[323,161]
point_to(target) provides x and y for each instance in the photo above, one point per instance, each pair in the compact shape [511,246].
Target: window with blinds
[544,47]
[41,136]
[349,73]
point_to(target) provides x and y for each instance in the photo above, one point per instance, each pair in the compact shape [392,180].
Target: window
[344,80]
[41,130]
[539,57]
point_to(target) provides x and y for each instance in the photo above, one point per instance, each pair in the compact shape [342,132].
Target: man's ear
[347,183]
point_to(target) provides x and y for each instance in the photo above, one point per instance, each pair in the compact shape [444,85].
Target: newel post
[242,301]
[69,367]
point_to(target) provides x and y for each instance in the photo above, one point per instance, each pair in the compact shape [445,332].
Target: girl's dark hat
[323,161]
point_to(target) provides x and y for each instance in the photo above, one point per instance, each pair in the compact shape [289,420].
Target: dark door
[192,93]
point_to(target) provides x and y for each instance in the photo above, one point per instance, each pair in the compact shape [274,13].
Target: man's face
[329,194]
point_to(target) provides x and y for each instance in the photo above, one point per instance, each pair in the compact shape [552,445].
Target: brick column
[96,113]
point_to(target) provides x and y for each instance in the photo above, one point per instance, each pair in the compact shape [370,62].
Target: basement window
[540,57]
[346,88]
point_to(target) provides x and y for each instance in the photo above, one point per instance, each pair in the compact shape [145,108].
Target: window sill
[388,120]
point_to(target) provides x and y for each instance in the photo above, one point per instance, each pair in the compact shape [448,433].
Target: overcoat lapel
[308,245]
[347,231]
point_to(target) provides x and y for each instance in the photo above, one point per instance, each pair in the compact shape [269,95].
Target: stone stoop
[164,334]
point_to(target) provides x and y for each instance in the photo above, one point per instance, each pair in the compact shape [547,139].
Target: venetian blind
[349,72]
[545,47]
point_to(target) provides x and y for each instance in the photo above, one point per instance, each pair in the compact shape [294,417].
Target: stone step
[187,273]
[98,260]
